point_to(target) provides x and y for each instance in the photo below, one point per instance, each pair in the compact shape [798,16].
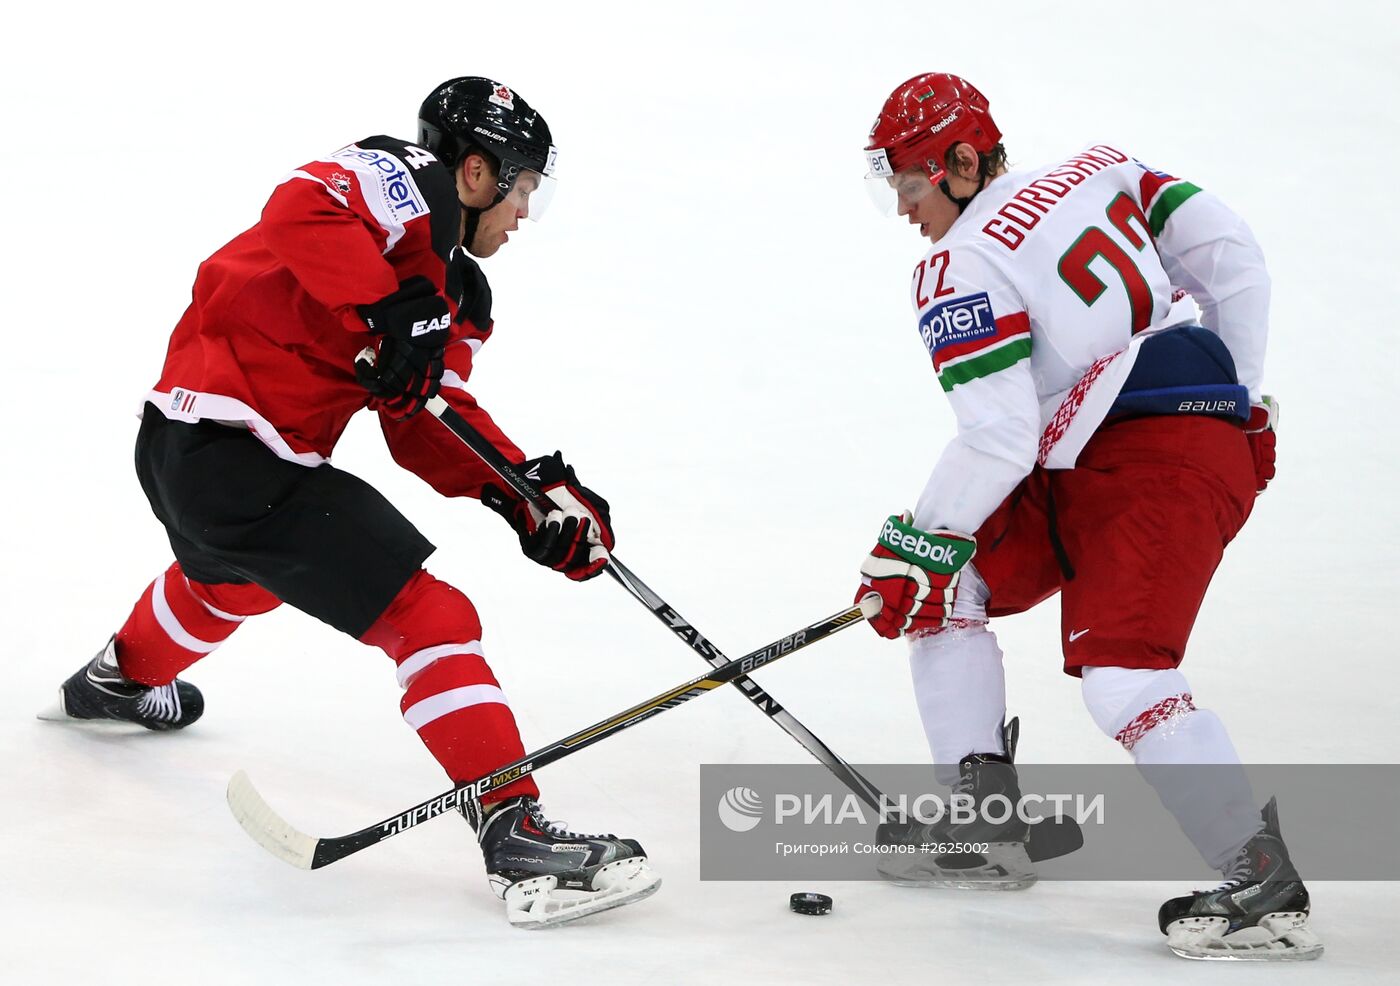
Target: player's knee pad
[1128,703]
[233,601]
[427,621]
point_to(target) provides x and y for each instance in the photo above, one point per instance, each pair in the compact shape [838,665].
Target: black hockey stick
[662,610]
[278,837]
[1049,839]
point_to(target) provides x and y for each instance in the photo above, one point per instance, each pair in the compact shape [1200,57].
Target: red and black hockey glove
[412,325]
[1263,418]
[575,536]
[915,573]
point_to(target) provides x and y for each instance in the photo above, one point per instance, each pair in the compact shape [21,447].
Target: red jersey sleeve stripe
[1008,327]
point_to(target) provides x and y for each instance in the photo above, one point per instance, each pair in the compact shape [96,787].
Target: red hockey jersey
[270,337]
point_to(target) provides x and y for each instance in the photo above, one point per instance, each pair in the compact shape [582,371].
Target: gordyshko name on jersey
[1160,195]
[966,340]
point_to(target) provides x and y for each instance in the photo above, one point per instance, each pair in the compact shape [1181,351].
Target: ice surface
[713,325]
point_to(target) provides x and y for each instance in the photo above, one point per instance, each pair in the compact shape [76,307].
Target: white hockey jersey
[1033,305]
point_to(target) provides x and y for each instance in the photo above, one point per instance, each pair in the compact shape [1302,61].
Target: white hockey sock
[960,686]
[1153,715]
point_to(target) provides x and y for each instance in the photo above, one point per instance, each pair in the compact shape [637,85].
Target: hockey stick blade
[267,828]
[273,833]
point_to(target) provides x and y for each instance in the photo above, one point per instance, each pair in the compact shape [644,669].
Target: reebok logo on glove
[928,551]
[425,325]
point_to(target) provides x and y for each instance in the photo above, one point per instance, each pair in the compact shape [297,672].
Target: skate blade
[1007,868]
[55,713]
[1279,937]
[539,903]
[58,712]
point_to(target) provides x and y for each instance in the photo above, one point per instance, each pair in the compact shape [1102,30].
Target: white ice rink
[713,324]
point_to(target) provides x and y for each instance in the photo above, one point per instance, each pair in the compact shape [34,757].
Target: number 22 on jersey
[935,268]
[1095,243]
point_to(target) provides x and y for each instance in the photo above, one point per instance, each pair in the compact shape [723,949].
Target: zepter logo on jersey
[960,320]
[397,191]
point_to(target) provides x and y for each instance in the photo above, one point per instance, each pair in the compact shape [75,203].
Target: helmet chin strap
[965,201]
[474,215]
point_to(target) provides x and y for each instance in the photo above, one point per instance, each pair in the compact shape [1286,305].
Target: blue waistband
[1214,400]
[1186,369]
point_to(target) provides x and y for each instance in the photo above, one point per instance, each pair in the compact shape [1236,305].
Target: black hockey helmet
[472,113]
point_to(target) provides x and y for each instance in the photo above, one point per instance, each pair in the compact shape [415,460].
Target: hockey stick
[1049,839]
[662,610]
[273,833]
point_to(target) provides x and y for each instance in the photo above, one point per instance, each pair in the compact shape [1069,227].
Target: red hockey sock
[176,622]
[451,698]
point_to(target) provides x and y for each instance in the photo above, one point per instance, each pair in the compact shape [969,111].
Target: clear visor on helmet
[896,192]
[528,190]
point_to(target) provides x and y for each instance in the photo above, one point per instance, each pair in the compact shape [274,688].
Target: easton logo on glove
[937,554]
[423,326]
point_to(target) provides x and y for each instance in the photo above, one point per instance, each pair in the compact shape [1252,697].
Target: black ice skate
[99,691]
[1259,913]
[1003,865]
[548,875]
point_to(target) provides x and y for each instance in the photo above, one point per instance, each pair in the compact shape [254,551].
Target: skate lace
[561,828]
[161,702]
[1240,871]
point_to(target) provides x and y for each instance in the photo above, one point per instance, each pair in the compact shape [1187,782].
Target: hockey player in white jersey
[1104,451]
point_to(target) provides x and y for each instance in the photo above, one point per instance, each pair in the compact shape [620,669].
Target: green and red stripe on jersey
[1161,195]
[961,362]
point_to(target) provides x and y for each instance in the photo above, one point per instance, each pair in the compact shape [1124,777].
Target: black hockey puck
[809,903]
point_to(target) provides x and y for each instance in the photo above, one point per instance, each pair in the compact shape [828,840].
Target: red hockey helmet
[922,120]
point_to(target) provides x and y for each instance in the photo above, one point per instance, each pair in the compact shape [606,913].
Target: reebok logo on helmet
[943,122]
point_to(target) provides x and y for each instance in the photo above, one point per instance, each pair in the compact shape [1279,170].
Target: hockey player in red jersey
[1107,449]
[369,247]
